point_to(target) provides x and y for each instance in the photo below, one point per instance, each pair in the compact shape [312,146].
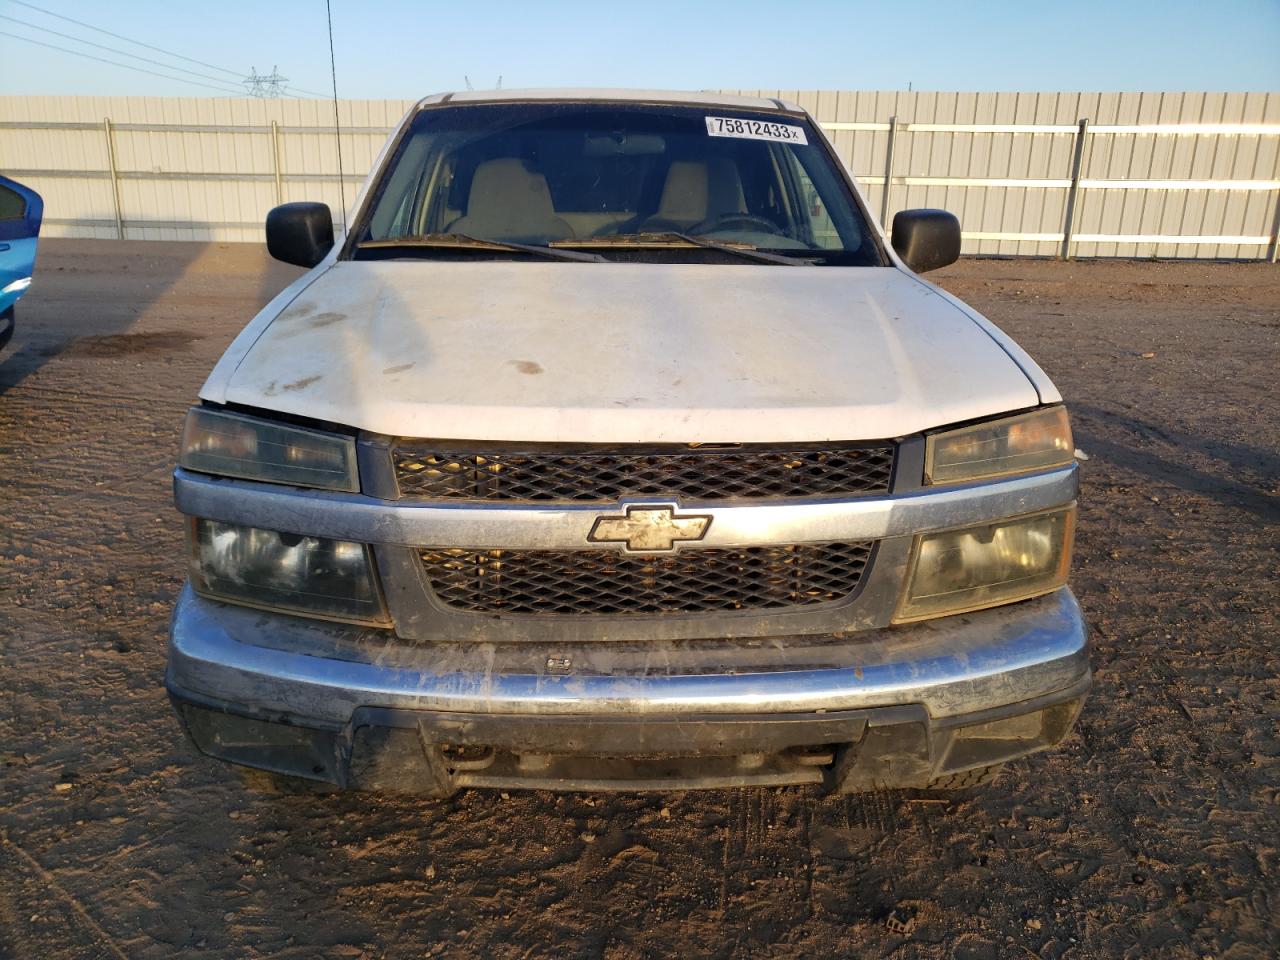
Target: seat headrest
[508,201]
[694,191]
[684,195]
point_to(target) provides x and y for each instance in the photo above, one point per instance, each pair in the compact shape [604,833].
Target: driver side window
[12,204]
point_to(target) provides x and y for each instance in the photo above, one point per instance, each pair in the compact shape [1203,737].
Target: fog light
[332,579]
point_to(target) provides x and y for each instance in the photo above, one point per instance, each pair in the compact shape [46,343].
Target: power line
[103,46]
[298,90]
[313,93]
[239,75]
[126,66]
[22,3]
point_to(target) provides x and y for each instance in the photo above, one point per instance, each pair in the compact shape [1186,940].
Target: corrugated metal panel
[208,172]
[199,178]
[990,214]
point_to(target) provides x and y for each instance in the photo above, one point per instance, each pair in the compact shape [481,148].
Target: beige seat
[508,202]
[684,195]
[694,192]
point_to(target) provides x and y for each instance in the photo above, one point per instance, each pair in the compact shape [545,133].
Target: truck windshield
[623,182]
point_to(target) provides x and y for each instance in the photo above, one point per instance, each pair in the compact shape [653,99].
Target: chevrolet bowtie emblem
[649,529]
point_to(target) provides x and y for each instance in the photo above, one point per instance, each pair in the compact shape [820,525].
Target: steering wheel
[747,220]
[636,225]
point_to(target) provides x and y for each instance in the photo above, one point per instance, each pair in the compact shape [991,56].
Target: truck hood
[622,352]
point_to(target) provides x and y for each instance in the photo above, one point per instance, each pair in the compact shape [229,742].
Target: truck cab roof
[612,95]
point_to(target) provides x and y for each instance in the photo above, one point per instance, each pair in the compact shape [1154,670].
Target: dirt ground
[1155,831]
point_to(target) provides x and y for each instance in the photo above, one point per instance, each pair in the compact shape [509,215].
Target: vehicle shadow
[1095,433]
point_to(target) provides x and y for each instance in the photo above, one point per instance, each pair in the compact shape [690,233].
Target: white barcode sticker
[755,130]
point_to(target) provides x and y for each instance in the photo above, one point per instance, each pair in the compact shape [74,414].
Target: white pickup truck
[615,447]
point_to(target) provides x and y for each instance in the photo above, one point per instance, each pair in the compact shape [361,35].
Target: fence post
[1275,233]
[275,161]
[115,176]
[888,173]
[1077,161]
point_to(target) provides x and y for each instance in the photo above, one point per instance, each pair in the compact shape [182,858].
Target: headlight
[958,570]
[1031,441]
[262,568]
[233,445]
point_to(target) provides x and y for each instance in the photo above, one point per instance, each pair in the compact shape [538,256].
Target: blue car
[21,211]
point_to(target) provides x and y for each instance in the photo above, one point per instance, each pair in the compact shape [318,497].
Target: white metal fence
[1120,174]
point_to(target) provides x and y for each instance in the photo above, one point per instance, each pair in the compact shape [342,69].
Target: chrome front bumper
[888,706]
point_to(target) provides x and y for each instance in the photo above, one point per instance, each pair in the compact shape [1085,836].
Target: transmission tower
[265,84]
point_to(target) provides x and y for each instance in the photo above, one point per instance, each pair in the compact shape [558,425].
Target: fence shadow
[89,297]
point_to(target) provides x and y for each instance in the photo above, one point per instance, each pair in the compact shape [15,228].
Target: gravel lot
[1155,832]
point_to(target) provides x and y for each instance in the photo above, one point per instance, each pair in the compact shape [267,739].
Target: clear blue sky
[398,48]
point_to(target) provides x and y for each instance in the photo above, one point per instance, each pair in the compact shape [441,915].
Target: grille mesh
[427,472]
[605,582]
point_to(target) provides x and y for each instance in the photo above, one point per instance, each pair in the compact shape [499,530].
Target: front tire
[7,324]
[967,779]
[282,784]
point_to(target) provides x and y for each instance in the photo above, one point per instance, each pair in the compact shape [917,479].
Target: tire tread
[967,779]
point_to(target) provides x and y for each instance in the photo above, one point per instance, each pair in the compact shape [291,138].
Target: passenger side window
[820,224]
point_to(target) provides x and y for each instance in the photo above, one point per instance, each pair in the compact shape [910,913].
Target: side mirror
[926,239]
[300,233]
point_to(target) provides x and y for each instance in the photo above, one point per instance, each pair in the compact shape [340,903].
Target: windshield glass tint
[595,174]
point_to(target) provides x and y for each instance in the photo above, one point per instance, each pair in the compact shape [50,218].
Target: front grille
[605,475]
[609,583]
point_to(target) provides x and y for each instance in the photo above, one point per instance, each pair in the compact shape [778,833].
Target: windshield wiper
[461,241]
[673,238]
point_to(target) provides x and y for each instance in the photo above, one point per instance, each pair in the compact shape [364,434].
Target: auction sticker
[755,130]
